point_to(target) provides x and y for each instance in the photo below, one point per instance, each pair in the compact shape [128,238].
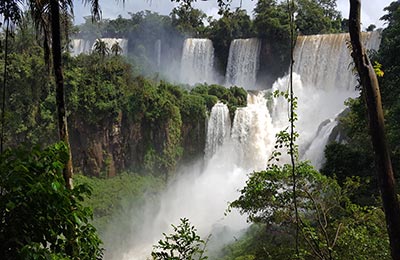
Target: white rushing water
[253,132]
[202,193]
[78,46]
[197,63]
[313,152]
[243,63]
[322,82]
[157,49]
[324,65]
[324,61]
[218,129]
[82,46]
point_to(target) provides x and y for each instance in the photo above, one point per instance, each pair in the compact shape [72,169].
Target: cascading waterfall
[323,63]
[314,153]
[372,40]
[157,49]
[197,63]
[322,81]
[218,128]
[253,132]
[197,193]
[243,63]
[78,46]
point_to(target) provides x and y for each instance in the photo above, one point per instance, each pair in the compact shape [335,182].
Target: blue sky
[372,10]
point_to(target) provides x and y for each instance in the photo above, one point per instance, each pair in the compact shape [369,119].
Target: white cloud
[371,11]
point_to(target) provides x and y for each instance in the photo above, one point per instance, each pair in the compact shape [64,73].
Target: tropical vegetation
[110,97]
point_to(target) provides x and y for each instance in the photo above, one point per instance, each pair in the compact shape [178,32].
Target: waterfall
[243,63]
[324,81]
[372,40]
[314,153]
[157,49]
[324,61]
[201,194]
[123,43]
[218,129]
[197,61]
[253,132]
[251,136]
[78,46]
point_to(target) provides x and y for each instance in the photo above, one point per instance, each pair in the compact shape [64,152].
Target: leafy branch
[183,244]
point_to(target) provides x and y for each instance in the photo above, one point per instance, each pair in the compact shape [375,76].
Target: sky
[371,10]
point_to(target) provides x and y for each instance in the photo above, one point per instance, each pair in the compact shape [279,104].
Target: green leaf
[10,206]
[55,185]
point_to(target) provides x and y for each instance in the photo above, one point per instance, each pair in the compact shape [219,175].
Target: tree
[40,218]
[330,225]
[388,52]
[11,14]
[272,25]
[271,19]
[60,95]
[317,16]
[46,15]
[31,111]
[100,47]
[187,19]
[183,244]
[232,25]
[370,87]
[116,49]
[371,28]
[117,28]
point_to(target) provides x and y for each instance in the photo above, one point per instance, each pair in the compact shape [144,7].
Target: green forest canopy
[108,86]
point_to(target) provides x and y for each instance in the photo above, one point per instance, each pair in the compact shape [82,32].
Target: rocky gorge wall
[121,144]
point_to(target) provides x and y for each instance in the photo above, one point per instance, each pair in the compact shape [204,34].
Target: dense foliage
[317,17]
[331,226]
[111,197]
[30,96]
[107,102]
[123,121]
[271,23]
[40,217]
[184,243]
[234,96]
[188,20]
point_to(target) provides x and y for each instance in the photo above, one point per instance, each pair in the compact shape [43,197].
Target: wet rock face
[119,144]
[97,150]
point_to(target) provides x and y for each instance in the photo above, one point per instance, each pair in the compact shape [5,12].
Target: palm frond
[94,9]
[11,10]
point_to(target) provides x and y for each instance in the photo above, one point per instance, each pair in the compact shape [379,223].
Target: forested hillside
[146,145]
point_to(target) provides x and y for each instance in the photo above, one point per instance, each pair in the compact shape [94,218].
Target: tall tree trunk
[60,97]
[372,95]
[3,99]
